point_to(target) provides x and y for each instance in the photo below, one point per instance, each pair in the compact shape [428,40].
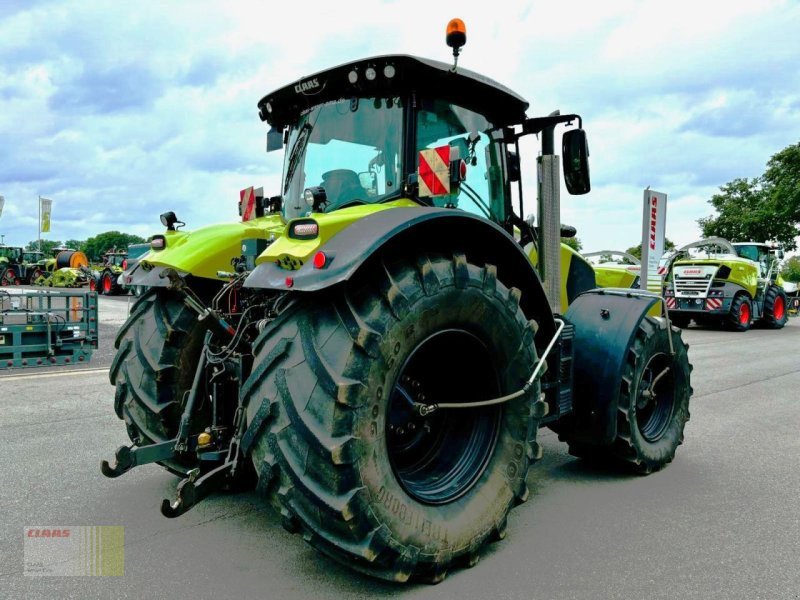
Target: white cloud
[121,111]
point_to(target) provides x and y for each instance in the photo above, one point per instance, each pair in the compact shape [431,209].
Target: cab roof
[427,78]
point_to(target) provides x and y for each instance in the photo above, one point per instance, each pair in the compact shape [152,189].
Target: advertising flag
[46,208]
[2,202]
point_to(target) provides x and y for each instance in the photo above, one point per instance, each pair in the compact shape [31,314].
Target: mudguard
[201,252]
[606,321]
[409,230]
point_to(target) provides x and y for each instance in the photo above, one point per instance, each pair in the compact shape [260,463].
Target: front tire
[775,307]
[741,313]
[654,398]
[158,349]
[343,458]
[653,407]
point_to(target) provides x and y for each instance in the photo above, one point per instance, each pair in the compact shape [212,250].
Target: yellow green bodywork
[206,250]
[610,275]
[292,253]
[567,256]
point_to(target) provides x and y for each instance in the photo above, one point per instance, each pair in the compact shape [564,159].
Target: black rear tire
[329,380]
[776,306]
[158,348]
[740,315]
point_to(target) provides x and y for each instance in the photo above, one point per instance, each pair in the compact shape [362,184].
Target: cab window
[475,140]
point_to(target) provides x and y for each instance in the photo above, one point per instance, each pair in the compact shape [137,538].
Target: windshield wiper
[297,152]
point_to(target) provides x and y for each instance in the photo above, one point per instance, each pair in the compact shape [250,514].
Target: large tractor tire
[653,403]
[775,307]
[158,349]
[740,315]
[339,450]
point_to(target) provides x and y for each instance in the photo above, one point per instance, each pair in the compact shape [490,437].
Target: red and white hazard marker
[713,303]
[247,203]
[434,171]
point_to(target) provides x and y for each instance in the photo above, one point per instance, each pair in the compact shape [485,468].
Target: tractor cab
[763,254]
[11,254]
[397,127]
[114,258]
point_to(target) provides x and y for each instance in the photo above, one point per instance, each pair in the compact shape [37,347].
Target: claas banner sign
[251,203]
[654,223]
[47,207]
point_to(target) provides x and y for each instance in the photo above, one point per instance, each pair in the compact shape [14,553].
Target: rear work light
[306,229]
[158,242]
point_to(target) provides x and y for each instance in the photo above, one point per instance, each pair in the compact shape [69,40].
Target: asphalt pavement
[722,521]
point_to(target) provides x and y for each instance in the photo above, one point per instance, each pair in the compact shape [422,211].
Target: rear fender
[605,323]
[410,231]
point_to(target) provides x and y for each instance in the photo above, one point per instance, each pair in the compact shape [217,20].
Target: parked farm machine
[373,345]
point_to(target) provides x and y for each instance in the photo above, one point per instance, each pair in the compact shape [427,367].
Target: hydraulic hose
[425,409]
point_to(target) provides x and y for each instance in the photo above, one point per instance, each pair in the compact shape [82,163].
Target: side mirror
[780,253]
[274,140]
[576,162]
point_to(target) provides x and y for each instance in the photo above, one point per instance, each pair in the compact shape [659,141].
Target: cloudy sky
[120,111]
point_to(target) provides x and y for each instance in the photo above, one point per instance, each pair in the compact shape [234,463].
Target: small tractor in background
[33,263]
[11,269]
[615,269]
[105,279]
[718,283]
[373,344]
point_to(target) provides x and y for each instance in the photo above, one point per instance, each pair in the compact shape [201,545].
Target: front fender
[605,321]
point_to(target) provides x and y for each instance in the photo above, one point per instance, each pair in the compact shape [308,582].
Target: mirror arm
[538,124]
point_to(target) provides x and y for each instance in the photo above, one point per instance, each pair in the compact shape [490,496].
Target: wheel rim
[778,308]
[744,313]
[439,458]
[106,284]
[654,411]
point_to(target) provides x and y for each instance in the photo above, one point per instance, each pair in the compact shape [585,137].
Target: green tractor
[105,280]
[11,265]
[373,345]
[33,263]
[716,282]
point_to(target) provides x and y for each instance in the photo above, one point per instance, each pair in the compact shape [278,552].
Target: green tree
[791,269]
[96,246]
[637,250]
[75,244]
[573,242]
[763,208]
[47,246]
